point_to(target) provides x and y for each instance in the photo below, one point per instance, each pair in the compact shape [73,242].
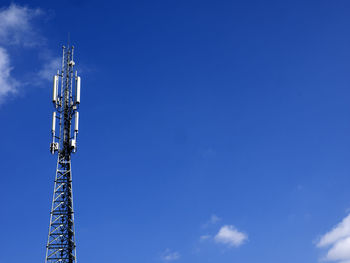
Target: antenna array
[61,245]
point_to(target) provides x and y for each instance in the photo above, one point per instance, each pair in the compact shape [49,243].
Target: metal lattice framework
[61,245]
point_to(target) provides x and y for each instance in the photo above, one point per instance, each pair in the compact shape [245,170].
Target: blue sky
[210,131]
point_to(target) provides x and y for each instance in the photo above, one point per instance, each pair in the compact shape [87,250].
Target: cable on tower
[61,246]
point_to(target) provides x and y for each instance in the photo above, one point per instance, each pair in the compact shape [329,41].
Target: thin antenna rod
[68,39]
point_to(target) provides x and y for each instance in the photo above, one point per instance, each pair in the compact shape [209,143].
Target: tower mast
[61,245]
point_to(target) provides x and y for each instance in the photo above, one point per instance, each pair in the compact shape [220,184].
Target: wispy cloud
[204,237]
[230,236]
[50,68]
[16,26]
[15,29]
[7,84]
[227,234]
[212,221]
[337,241]
[169,255]
[18,29]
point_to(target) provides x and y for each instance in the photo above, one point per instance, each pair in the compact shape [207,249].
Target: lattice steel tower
[66,99]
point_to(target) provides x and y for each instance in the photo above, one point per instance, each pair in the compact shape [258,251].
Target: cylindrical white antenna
[76,127]
[54,122]
[77,94]
[55,89]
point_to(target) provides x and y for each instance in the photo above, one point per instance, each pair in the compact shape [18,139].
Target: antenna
[66,100]
[68,39]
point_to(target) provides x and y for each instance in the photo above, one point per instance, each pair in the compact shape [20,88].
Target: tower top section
[66,101]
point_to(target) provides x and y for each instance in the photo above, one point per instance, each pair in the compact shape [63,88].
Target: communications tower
[66,99]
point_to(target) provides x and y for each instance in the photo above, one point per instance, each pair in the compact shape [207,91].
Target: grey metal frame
[61,246]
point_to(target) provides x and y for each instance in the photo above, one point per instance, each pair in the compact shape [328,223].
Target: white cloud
[50,68]
[340,251]
[18,29]
[340,231]
[338,242]
[7,84]
[15,29]
[16,26]
[212,221]
[169,255]
[230,236]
